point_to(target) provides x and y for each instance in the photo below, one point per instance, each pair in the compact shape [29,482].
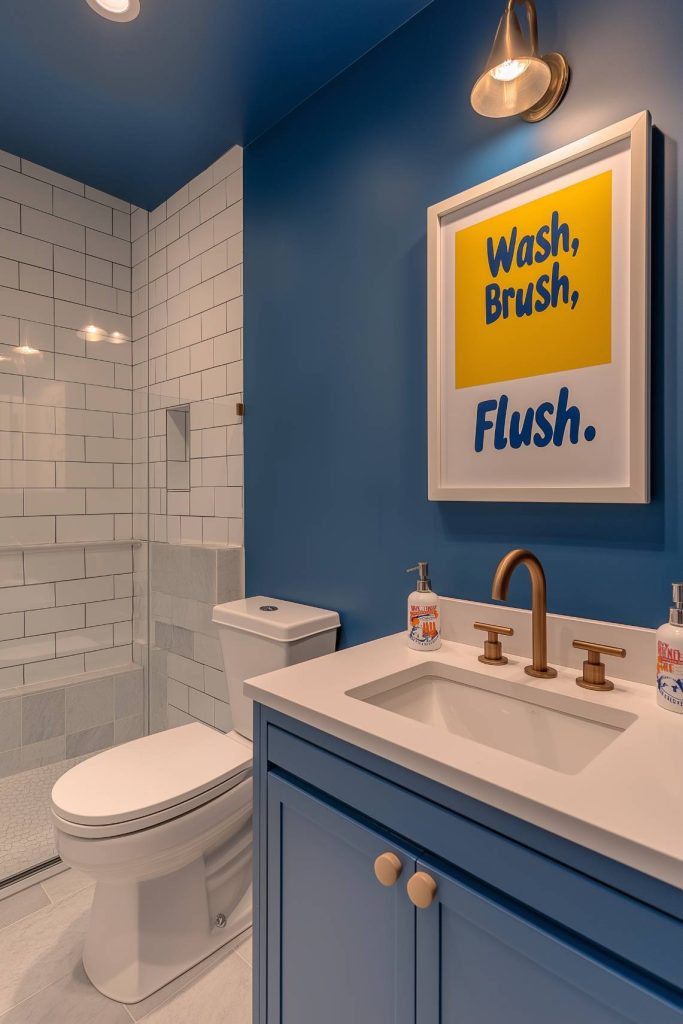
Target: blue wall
[335,289]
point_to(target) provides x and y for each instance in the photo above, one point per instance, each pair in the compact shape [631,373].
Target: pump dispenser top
[676,610]
[424,613]
[424,584]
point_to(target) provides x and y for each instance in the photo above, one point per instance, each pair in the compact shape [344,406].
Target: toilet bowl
[164,823]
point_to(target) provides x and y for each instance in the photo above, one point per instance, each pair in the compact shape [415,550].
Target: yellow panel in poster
[533,287]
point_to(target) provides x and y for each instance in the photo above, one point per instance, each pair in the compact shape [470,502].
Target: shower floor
[26,837]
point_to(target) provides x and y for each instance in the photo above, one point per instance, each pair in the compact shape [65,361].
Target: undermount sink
[550,729]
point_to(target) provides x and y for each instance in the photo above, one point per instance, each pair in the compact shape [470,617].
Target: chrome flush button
[268,608]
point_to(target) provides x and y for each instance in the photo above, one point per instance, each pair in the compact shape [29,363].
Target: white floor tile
[245,947]
[21,904]
[70,1000]
[41,949]
[42,979]
[222,995]
[66,884]
[140,1011]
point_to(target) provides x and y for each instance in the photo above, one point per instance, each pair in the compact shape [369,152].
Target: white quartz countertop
[625,803]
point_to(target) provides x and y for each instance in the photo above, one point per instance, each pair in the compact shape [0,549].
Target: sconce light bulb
[115,6]
[509,70]
[116,10]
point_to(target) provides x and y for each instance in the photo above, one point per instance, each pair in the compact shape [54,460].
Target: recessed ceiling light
[116,10]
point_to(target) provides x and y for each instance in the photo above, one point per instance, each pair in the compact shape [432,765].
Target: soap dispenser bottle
[424,613]
[670,656]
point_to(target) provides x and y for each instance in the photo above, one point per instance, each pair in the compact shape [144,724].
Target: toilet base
[143,935]
[155,916]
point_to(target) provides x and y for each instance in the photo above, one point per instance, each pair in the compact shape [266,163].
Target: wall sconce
[516,80]
[116,10]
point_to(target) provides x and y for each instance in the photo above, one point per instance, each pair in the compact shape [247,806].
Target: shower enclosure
[120,474]
[73,493]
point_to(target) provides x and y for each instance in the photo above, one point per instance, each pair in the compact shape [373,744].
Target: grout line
[243,958]
[22,1002]
[54,902]
[33,913]
[176,992]
[227,951]
[49,898]
[49,909]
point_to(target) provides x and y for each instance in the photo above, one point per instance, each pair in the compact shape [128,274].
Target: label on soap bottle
[670,676]
[424,625]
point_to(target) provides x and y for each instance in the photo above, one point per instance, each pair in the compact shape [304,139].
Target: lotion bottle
[424,613]
[670,656]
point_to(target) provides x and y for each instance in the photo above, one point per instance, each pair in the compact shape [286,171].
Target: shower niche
[178,448]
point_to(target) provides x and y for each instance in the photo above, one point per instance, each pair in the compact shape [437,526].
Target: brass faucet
[499,592]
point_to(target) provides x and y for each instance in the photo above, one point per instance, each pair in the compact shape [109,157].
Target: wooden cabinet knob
[388,868]
[421,889]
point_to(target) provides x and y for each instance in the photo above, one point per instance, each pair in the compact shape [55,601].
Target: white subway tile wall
[64,612]
[65,427]
[83,428]
[187,272]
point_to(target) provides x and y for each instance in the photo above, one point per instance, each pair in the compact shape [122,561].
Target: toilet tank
[262,634]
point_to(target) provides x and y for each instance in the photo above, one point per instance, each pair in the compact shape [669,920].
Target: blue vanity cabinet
[482,962]
[341,946]
[522,928]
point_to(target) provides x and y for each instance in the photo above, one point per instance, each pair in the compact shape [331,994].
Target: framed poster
[538,328]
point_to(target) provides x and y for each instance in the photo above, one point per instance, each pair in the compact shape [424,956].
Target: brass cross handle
[493,649]
[593,677]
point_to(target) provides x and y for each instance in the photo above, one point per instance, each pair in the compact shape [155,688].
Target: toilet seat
[150,780]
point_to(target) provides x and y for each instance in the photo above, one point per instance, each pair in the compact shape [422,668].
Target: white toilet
[164,823]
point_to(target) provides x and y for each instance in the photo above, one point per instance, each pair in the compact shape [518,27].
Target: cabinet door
[480,961]
[341,946]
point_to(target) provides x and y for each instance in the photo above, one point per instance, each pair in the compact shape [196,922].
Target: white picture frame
[616,468]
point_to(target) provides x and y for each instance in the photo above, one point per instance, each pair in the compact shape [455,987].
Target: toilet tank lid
[278,620]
